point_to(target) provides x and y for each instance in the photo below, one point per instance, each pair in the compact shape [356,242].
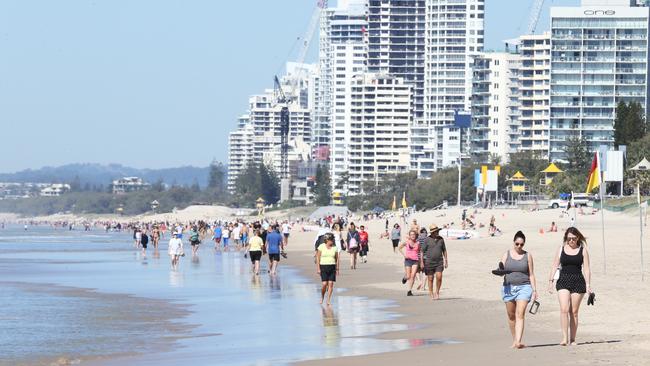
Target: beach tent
[549,173]
[642,165]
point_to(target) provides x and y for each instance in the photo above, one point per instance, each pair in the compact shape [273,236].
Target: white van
[582,199]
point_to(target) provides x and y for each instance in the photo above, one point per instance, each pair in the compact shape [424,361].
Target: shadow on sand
[579,344]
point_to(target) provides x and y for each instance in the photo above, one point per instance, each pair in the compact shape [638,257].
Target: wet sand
[614,332]
[125,324]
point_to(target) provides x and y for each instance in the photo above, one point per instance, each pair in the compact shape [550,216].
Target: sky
[153,83]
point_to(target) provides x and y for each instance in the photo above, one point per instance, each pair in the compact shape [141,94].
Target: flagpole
[638,198]
[602,212]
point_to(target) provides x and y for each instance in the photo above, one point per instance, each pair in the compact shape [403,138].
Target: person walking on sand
[519,286]
[254,248]
[353,241]
[410,259]
[574,281]
[395,236]
[286,230]
[415,226]
[144,240]
[175,249]
[274,248]
[363,243]
[225,238]
[327,266]
[235,236]
[155,236]
[434,260]
[137,235]
[216,236]
[194,240]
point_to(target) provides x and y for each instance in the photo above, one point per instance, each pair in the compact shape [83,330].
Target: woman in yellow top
[254,247]
[327,266]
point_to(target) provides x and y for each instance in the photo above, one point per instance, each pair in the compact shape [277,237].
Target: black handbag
[592,299]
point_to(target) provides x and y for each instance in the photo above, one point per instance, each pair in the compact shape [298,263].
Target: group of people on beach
[254,239]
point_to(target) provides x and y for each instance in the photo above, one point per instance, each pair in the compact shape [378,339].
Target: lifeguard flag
[594,174]
[404,201]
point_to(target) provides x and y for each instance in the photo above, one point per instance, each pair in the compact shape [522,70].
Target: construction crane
[535,13]
[284,100]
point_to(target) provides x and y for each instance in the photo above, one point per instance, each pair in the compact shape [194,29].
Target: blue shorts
[516,293]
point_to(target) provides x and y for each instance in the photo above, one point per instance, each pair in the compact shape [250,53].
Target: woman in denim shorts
[519,286]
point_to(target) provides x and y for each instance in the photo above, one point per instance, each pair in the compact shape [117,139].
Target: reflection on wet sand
[176,278]
[331,325]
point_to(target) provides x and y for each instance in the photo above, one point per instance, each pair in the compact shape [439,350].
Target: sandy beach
[613,332]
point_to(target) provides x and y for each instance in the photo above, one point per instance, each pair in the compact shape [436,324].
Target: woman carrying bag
[573,282]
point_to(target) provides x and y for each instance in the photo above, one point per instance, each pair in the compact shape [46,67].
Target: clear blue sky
[152,83]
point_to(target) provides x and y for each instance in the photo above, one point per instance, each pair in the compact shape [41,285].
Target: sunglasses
[519,244]
[572,238]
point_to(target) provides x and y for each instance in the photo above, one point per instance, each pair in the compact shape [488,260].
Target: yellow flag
[404,201]
[394,203]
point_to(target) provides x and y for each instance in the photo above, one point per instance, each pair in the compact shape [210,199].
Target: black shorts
[430,270]
[395,243]
[255,255]
[274,257]
[195,242]
[144,245]
[328,272]
[574,282]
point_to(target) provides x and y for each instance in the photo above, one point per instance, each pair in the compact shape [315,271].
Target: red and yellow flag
[594,174]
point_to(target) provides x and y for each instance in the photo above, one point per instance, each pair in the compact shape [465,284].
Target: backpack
[320,240]
[352,244]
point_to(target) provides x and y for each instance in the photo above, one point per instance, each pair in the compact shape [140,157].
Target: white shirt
[285,228]
[175,246]
[236,233]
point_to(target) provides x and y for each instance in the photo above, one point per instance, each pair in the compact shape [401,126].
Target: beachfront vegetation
[630,124]
[322,185]
[256,181]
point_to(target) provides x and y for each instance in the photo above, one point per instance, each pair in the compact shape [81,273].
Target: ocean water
[91,298]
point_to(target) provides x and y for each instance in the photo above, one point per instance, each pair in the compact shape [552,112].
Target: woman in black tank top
[574,281]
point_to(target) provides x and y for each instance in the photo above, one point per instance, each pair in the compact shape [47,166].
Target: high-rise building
[348,60]
[263,121]
[494,103]
[599,57]
[343,24]
[396,43]
[454,34]
[535,90]
[240,151]
[381,118]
